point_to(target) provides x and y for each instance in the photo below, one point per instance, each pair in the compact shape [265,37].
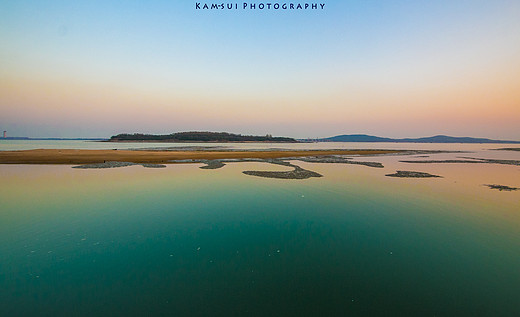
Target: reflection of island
[198,137]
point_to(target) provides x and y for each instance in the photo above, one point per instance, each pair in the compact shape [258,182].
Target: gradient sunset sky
[388,68]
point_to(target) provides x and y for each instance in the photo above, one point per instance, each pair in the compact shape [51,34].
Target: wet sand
[69,156]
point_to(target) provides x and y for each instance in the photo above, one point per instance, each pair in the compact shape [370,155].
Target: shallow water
[182,241]
[15,145]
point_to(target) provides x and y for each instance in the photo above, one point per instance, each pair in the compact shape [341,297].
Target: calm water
[182,241]
[12,145]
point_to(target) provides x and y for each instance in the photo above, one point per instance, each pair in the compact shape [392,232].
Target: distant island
[432,139]
[223,137]
[196,136]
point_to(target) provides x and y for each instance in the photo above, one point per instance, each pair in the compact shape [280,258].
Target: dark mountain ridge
[432,139]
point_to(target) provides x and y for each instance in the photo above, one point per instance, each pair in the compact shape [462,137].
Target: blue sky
[70,68]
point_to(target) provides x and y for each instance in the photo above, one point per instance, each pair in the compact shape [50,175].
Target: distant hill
[432,139]
[197,136]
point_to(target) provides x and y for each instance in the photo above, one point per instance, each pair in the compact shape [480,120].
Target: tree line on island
[197,136]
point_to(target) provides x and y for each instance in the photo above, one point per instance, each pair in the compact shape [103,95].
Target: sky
[387,68]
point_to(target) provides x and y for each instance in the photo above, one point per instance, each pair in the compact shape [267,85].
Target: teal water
[182,241]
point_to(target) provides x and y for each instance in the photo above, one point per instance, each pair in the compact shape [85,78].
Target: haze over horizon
[297,138]
[400,69]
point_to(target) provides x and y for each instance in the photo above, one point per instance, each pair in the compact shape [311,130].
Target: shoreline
[72,156]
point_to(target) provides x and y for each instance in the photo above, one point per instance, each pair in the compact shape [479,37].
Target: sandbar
[73,156]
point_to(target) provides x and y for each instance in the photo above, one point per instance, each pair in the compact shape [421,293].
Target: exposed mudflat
[212,164]
[297,173]
[411,174]
[502,187]
[509,149]
[337,159]
[114,164]
[469,160]
[150,165]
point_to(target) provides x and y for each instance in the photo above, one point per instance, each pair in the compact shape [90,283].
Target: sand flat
[72,156]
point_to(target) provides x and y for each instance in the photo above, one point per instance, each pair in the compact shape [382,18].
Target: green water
[182,241]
